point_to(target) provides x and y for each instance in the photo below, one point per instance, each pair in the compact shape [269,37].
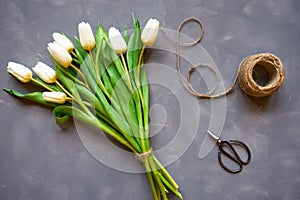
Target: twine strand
[143,156]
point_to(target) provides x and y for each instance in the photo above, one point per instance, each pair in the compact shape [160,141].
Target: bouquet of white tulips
[101,81]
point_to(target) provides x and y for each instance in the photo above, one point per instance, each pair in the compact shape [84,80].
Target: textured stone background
[40,160]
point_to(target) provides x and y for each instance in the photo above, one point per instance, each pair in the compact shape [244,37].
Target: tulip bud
[61,55]
[150,32]
[55,97]
[117,41]
[19,71]
[86,36]
[63,41]
[45,72]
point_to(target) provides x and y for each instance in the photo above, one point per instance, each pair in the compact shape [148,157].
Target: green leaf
[134,46]
[124,98]
[133,18]
[80,58]
[80,52]
[62,113]
[34,96]
[125,35]
[100,35]
[91,67]
[64,78]
[60,118]
[95,104]
[133,51]
[89,97]
[115,117]
[102,32]
[130,52]
[96,54]
[106,79]
[68,72]
[145,91]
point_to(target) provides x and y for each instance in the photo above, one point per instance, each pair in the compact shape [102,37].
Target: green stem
[139,108]
[104,128]
[126,72]
[166,174]
[155,172]
[158,191]
[43,85]
[115,135]
[88,104]
[98,81]
[70,95]
[161,186]
[102,87]
[63,89]
[166,182]
[82,76]
[139,77]
[74,54]
[93,61]
[150,179]
[140,58]
[140,122]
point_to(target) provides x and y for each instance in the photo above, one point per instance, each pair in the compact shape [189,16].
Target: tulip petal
[45,72]
[61,55]
[150,32]
[117,41]
[63,41]
[86,36]
[55,97]
[19,71]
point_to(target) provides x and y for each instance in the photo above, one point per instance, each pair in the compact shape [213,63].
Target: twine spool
[258,75]
[255,66]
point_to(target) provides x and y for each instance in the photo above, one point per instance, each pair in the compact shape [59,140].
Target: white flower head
[86,36]
[117,41]
[55,97]
[45,72]
[19,71]
[61,55]
[150,32]
[63,41]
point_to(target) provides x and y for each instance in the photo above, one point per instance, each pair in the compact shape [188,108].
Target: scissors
[235,157]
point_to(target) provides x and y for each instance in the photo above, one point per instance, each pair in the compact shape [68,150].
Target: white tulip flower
[45,72]
[19,71]
[55,97]
[86,36]
[117,41]
[150,32]
[63,41]
[61,55]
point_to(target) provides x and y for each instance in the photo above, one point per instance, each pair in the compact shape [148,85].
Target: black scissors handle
[235,156]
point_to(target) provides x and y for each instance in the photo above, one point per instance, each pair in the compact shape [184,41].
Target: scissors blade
[207,146]
[210,141]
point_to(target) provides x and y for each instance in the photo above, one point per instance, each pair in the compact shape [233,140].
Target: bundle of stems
[102,81]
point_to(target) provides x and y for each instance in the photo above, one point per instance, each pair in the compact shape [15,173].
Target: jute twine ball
[265,63]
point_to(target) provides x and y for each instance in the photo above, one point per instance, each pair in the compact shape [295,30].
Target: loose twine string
[245,71]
